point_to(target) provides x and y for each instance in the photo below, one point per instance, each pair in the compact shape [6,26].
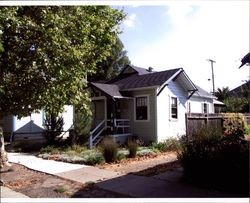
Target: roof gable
[133,77]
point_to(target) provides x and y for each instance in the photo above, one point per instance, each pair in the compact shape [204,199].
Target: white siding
[196,104]
[166,126]
[34,122]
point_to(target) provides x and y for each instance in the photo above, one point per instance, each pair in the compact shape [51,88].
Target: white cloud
[218,30]
[130,21]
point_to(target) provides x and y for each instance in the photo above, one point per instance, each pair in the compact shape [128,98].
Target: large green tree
[47,52]
[113,64]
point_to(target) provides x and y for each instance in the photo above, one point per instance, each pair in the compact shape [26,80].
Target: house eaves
[183,78]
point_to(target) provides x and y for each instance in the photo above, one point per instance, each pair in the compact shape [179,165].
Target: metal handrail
[92,132]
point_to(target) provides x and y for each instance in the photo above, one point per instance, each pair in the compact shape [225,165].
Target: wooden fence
[214,120]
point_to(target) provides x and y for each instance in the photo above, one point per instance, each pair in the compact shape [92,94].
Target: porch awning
[111,90]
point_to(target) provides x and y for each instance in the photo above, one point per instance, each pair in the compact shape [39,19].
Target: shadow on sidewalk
[148,184]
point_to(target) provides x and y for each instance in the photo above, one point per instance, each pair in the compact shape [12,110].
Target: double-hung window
[204,107]
[141,108]
[174,108]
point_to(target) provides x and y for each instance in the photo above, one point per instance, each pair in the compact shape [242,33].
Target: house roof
[238,91]
[145,80]
[111,90]
[203,93]
[133,77]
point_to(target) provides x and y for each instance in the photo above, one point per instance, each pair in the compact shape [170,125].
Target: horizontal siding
[196,104]
[166,126]
[146,130]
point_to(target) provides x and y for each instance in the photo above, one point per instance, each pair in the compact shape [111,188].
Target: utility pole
[212,62]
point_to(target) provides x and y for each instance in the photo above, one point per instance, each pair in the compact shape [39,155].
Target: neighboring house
[32,127]
[203,102]
[150,105]
[242,91]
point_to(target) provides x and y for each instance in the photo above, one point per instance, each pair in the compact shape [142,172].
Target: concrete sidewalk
[8,193]
[76,172]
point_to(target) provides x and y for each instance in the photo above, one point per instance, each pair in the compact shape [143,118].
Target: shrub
[170,144]
[50,149]
[247,130]
[217,162]
[132,147]
[121,156]
[60,189]
[109,149]
[94,159]
[233,123]
[53,128]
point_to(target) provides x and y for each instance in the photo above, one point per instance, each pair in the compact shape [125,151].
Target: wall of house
[166,126]
[145,130]
[32,125]
[196,104]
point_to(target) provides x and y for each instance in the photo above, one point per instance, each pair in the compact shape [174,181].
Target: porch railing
[121,124]
[95,134]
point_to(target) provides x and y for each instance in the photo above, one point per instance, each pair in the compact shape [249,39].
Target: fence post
[90,141]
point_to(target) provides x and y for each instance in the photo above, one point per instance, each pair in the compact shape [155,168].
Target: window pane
[141,108]
[174,111]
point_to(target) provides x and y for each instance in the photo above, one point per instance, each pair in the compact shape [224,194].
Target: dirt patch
[41,185]
[137,164]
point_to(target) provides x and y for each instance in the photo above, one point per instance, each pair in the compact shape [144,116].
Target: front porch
[111,117]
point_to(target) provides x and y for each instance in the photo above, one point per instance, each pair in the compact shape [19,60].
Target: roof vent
[150,69]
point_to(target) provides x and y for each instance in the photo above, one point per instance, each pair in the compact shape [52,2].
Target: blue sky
[186,34]
[167,34]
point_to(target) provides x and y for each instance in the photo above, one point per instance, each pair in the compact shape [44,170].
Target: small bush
[50,149]
[233,123]
[53,128]
[159,146]
[60,189]
[109,149]
[121,156]
[132,147]
[94,159]
[170,144]
[247,130]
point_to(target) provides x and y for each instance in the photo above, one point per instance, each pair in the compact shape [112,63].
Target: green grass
[60,189]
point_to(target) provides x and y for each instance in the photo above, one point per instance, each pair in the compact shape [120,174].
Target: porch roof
[111,90]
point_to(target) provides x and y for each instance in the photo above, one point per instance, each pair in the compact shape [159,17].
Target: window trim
[148,108]
[202,107]
[170,108]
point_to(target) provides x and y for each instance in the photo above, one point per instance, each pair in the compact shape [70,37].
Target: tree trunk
[3,154]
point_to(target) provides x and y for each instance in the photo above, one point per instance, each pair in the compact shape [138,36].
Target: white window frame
[148,108]
[202,107]
[170,108]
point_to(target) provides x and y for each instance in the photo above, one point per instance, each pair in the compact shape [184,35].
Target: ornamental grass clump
[109,149]
[132,147]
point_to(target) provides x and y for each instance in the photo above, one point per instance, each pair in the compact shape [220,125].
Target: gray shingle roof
[112,90]
[203,93]
[145,80]
[140,78]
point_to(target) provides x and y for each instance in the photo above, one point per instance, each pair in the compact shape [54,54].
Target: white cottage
[151,105]
[32,127]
